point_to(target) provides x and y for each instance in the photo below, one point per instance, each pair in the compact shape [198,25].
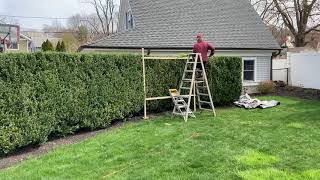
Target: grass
[278,143]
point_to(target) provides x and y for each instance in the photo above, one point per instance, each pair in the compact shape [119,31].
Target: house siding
[263,65]
[263,69]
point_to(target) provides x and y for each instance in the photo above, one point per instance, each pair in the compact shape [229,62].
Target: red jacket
[203,48]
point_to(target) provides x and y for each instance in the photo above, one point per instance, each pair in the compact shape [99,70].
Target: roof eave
[172,48]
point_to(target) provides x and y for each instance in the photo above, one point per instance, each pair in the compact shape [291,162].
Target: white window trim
[11,49]
[254,59]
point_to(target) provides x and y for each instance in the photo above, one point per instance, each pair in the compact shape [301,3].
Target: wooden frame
[146,99]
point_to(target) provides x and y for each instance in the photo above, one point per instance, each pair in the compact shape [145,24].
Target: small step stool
[180,105]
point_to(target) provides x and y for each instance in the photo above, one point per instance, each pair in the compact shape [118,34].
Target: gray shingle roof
[175,23]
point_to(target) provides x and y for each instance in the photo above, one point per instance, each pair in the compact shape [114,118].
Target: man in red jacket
[203,48]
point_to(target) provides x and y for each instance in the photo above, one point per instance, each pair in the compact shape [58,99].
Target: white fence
[304,70]
[300,69]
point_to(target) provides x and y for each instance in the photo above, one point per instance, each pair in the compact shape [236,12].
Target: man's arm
[212,49]
[194,50]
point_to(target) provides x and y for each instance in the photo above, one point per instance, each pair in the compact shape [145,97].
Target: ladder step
[202,94]
[199,81]
[205,102]
[206,109]
[190,80]
[187,88]
[181,106]
[191,71]
[179,101]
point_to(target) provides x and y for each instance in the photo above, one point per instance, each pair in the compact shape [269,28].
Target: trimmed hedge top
[54,94]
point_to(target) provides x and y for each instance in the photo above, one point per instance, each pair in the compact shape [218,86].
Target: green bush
[55,94]
[224,75]
[266,87]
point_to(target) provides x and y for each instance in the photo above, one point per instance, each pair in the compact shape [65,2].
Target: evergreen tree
[44,46]
[63,47]
[58,47]
[50,46]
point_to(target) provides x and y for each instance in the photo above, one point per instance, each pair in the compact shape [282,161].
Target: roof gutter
[174,48]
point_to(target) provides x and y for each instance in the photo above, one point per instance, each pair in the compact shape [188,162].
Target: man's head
[199,38]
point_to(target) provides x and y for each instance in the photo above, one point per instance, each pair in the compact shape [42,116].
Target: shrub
[58,47]
[47,46]
[55,94]
[266,87]
[224,75]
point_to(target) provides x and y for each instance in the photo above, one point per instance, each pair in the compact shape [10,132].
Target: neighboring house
[22,45]
[39,37]
[169,27]
[11,40]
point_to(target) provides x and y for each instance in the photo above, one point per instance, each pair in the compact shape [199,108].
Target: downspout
[271,64]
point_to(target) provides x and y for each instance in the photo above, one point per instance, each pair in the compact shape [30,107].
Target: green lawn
[278,143]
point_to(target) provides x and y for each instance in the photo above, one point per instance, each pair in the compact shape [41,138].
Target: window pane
[249,65]
[127,25]
[248,76]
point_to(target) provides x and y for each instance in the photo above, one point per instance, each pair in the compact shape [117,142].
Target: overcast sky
[43,8]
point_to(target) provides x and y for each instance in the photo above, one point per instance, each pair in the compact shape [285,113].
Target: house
[22,45]
[39,37]
[12,40]
[169,27]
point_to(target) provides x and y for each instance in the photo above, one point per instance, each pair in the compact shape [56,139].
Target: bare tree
[105,11]
[300,17]
[87,27]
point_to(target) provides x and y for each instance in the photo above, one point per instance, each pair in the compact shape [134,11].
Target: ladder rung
[205,102]
[197,81]
[187,88]
[201,86]
[179,100]
[202,94]
[187,80]
[190,71]
[206,109]
[182,106]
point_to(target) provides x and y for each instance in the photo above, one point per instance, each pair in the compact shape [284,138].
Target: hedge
[55,94]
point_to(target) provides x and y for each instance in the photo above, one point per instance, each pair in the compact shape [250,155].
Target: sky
[42,8]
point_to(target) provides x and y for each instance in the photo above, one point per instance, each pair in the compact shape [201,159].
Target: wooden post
[194,98]
[144,85]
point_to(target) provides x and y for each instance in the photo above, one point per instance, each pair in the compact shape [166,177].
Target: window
[129,20]
[249,69]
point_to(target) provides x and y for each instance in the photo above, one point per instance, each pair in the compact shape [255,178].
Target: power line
[37,17]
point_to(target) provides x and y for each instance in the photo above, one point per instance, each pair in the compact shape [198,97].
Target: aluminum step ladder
[180,105]
[194,82]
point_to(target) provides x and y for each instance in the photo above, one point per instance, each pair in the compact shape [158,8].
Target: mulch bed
[282,90]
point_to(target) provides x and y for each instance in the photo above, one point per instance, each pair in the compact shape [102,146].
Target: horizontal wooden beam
[165,97]
[164,58]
